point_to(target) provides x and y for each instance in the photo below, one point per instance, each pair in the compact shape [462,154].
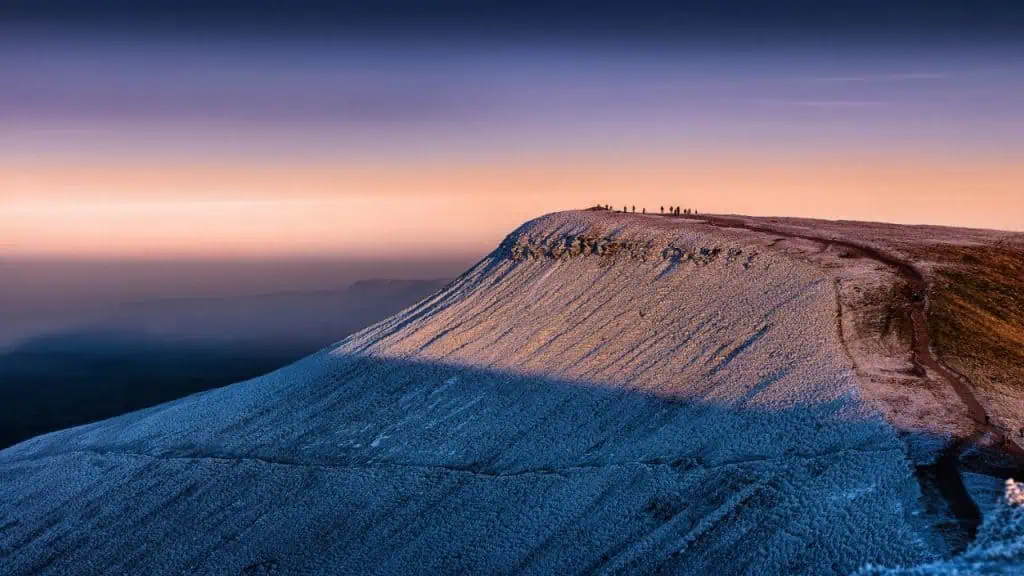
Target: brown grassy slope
[975,315]
[976,319]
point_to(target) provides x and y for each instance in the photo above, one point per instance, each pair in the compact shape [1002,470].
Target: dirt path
[948,467]
[922,354]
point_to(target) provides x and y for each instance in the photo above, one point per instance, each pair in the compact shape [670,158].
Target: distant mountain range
[143,353]
[300,319]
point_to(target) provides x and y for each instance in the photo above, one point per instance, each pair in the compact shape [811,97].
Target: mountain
[604,393]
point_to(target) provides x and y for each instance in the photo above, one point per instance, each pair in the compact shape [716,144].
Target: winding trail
[948,467]
[922,354]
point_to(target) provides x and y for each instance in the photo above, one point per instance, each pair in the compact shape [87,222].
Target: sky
[401,130]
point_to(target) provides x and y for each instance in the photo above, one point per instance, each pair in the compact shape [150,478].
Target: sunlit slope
[600,394]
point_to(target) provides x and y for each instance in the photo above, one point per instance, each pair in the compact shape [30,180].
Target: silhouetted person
[643,211]
[662,209]
[624,210]
[634,209]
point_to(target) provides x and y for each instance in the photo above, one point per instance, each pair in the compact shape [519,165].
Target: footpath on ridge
[948,467]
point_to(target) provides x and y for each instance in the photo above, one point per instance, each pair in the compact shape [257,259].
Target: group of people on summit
[672,210]
[676,210]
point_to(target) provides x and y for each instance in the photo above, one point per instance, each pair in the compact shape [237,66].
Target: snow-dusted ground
[998,549]
[681,402]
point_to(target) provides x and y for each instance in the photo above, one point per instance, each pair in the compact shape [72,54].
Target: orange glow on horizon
[64,209]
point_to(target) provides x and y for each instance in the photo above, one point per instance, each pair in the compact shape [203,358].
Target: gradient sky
[196,130]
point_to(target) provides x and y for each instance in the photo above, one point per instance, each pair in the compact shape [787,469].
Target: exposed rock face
[519,247]
[574,246]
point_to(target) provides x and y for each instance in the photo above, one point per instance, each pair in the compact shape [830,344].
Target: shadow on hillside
[448,449]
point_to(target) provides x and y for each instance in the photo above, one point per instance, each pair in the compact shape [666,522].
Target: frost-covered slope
[601,394]
[999,548]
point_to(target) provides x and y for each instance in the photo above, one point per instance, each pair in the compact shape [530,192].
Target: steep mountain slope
[603,393]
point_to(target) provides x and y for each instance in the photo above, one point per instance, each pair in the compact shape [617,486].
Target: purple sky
[124,135]
[164,98]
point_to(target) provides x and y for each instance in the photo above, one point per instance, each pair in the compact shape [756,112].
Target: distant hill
[145,353]
[304,320]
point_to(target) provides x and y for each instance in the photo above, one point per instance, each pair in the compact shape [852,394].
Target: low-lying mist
[83,341]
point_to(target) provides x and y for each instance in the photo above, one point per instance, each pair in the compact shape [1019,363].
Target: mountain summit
[605,392]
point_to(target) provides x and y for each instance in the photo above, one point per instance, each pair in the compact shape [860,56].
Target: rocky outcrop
[520,247]
[572,246]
